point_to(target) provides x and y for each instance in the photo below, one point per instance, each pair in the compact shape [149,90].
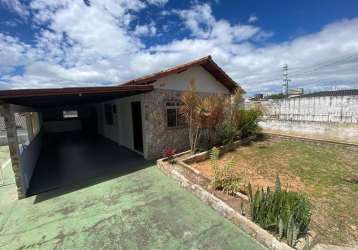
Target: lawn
[315,169]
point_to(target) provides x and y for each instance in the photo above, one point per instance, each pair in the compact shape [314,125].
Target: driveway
[72,157]
[140,210]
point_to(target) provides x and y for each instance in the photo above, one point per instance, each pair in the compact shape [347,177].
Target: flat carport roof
[40,98]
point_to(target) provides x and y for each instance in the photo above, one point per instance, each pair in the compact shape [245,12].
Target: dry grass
[317,170]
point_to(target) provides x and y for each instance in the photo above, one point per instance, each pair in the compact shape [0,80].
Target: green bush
[229,132]
[248,120]
[286,213]
[224,178]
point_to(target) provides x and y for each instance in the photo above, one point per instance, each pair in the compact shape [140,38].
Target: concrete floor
[75,157]
[140,210]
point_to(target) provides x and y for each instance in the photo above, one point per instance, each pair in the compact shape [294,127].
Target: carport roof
[69,96]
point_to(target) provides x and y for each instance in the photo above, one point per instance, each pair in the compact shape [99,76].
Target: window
[174,116]
[108,114]
[69,114]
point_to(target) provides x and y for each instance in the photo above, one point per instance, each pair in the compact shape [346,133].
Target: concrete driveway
[141,210]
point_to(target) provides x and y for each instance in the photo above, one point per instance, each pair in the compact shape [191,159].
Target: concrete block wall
[342,109]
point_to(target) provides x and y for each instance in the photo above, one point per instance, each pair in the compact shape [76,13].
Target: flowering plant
[169,154]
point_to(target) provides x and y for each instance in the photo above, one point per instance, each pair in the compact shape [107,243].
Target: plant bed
[235,207]
[324,172]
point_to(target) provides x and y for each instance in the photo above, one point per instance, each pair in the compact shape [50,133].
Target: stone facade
[14,149]
[157,136]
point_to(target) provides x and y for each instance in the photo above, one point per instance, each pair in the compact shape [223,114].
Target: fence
[341,109]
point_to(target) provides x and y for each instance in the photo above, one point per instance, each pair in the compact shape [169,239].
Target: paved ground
[8,192]
[71,157]
[141,210]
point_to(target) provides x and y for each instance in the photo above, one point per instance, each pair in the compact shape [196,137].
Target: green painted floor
[141,210]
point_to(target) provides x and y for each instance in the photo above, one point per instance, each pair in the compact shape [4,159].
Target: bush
[286,213]
[229,132]
[224,178]
[247,123]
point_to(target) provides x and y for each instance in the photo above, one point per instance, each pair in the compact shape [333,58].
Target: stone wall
[157,136]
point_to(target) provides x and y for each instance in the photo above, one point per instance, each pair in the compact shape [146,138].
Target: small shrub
[286,213]
[224,178]
[169,154]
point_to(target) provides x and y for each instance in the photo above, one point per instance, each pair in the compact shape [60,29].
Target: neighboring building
[295,92]
[140,115]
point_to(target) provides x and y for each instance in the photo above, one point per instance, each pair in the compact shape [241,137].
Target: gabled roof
[206,62]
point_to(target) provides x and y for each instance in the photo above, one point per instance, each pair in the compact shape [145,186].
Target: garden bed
[234,207]
[318,170]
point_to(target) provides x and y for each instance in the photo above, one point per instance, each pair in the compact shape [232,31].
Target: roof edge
[225,79]
[18,93]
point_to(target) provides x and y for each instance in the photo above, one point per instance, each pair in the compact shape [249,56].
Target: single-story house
[140,116]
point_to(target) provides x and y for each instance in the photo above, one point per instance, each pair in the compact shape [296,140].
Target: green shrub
[286,213]
[247,123]
[229,132]
[224,178]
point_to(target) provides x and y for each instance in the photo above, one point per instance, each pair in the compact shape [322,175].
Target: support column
[13,143]
[29,127]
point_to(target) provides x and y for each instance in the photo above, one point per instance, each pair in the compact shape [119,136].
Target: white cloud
[145,30]
[105,46]
[16,6]
[200,20]
[252,19]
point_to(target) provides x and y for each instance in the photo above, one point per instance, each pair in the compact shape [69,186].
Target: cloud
[200,20]
[107,45]
[16,6]
[157,2]
[252,19]
[145,30]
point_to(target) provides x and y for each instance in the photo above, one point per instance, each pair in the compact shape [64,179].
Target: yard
[315,169]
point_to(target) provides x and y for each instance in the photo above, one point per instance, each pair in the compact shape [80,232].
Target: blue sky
[101,42]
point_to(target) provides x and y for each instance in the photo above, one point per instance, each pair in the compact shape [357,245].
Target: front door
[137,126]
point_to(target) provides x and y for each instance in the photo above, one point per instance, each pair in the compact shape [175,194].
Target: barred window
[174,116]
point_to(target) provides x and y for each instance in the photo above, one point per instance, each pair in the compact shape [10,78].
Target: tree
[192,114]
[212,114]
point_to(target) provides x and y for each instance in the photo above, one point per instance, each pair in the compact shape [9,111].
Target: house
[66,126]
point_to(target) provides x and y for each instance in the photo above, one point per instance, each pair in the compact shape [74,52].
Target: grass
[315,169]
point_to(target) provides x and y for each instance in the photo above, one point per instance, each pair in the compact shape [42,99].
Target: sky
[64,43]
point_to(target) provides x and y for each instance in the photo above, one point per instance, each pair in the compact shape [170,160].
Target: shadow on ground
[74,160]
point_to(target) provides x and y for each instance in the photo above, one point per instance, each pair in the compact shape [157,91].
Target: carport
[72,135]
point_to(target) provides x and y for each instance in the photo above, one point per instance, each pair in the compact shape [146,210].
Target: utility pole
[285,80]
